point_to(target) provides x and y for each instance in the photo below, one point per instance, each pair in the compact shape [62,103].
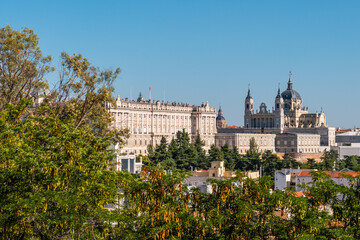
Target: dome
[218,118]
[220,115]
[290,93]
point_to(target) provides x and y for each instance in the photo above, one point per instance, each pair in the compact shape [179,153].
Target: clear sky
[197,51]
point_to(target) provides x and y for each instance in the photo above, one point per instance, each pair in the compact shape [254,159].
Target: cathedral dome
[220,115]
[220,118]
[290,93]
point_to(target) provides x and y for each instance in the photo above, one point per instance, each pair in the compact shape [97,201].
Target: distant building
[288,113]
[297,143]
[128,163]
[199,178]
[347,138]
[288,116]
[342,130]
[348,144]
[286,178]
[264,142]
[305,177]
[298,131]
[149,121]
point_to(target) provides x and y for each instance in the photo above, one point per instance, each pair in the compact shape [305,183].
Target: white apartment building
[305,177]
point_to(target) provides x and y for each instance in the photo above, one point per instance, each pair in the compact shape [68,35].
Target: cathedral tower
[249,110]
[279,112]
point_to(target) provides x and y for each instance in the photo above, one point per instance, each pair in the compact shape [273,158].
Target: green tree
[228,157]
[290,162]
[22,66]
[183,151]
[270,163]
[352,162]
[202,160]
[215,154]
[328,160]
[54,178]
[312,164]
[253,147]
[83,94]
[161,156]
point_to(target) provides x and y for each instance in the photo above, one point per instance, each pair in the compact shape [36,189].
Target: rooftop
[333,174]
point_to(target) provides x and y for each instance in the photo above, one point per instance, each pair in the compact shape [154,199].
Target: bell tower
[249,110]
[279,111]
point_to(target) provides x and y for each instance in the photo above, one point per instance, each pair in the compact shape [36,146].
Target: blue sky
[197,51]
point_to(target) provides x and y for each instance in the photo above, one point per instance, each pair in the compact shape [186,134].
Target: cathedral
[287,127]
[288,113]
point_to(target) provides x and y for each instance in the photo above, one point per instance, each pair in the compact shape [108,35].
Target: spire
[220,120]
[220,113]
[290,82]
[248,95]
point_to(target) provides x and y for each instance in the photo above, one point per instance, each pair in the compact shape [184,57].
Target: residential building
[286,178]
[305,177]
[348,144]
[199,178]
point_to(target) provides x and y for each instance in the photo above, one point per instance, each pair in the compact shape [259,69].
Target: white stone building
[297,143]
[150,120]
[264,142]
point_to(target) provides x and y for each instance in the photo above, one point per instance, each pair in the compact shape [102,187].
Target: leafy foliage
[179,154]
[54,177]
[22,66]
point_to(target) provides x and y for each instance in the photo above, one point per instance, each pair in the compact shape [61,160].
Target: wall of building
[297,143]
[264,142]
[148,121]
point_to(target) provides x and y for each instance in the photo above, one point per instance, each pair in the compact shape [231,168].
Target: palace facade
[149,121]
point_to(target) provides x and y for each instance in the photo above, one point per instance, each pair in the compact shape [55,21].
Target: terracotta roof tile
[334,174]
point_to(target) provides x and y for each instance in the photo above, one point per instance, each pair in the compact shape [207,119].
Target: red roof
[299,194]
[333,174]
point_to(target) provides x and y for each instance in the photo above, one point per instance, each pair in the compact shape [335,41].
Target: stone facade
[150,120]
[288,113]
[297,130]
[297,142]
[264,142]
[288,116]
